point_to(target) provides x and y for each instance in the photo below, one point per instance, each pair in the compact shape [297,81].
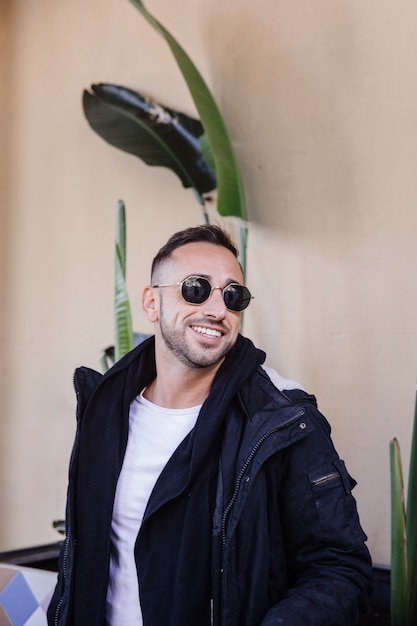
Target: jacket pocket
[336,510]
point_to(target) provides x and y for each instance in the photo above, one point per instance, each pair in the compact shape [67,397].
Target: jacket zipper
[64,563]
[325,479]
[244,468]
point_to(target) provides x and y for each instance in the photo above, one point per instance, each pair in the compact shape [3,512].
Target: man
[200,493]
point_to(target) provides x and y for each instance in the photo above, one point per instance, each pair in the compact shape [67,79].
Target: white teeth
[207,331]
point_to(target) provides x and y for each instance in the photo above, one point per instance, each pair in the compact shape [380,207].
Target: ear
[150,304]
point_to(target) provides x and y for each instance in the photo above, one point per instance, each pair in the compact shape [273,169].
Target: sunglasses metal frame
[222,289]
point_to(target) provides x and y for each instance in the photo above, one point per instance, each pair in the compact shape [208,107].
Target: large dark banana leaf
[156,134]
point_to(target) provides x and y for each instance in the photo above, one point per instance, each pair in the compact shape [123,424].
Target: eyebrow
[209,278]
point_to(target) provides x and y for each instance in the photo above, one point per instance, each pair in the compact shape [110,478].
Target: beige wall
[320,99]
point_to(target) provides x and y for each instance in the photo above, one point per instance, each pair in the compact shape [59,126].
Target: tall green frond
[399,574]
[231,198]
[411,525]
[122,313]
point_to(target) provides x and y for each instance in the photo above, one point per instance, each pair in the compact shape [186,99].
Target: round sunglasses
[196,290]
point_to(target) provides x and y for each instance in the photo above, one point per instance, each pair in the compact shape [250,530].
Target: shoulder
[283,392]
[86,379]
[85,382]
[283,384]
[266,390]
[292,390]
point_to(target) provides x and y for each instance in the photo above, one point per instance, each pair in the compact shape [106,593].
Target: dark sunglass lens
[236,297]
[195,290]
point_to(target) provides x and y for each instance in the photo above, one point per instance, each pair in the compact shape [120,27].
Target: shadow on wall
[296,133]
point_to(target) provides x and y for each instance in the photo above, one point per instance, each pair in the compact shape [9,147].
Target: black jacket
[251,522]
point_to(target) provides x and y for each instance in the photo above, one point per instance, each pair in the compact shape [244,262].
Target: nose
[215,306]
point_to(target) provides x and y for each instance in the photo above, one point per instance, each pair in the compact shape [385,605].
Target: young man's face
[198,335]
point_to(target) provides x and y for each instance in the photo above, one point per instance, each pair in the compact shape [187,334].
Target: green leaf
[412,524]
[231,199]
[398,540]
[121,237]
[412,587]
[206,150]
[154,133]
[123,318]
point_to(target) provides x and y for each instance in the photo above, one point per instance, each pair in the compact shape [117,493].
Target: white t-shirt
[154,433]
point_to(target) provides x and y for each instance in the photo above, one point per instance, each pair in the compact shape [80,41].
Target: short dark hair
[208,233]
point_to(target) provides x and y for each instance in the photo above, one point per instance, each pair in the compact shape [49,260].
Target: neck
[181,387]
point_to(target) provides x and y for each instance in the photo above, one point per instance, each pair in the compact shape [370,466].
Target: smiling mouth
[207,332]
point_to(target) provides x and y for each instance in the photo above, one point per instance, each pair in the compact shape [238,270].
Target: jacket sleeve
[328,563]
[85,380]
